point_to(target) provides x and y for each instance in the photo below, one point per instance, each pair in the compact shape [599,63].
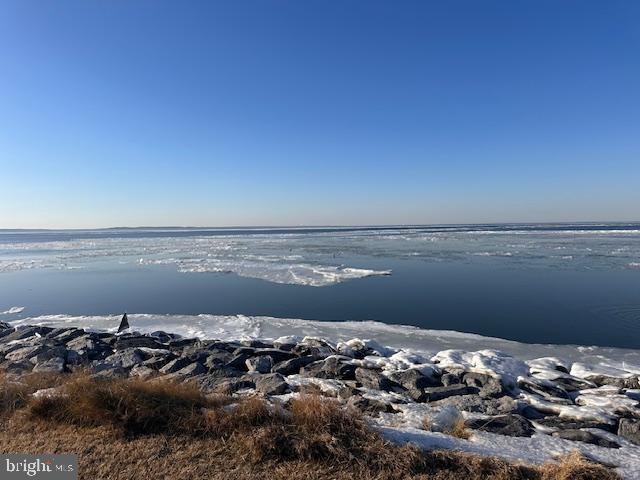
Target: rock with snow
[261,364]
[586,437]
[512,425]
[629,429]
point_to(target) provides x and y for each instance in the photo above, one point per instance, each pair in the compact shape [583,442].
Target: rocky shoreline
[490,391]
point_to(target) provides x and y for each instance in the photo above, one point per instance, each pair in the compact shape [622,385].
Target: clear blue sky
[318,112]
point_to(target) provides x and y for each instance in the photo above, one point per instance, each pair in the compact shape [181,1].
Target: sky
[206,113]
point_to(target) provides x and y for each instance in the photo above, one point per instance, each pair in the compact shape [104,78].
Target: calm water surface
[533,283]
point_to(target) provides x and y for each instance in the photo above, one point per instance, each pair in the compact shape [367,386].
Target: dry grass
[136,429]
[458,429]
[575,467]
[134,406]
[15,391]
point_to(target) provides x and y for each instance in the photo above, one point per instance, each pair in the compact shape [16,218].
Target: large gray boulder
[433,394]
[292,366]
[52,365]
[271,384]
[413,379]
[175,365]
[374,379]
[629,429]
[261,364]
[486,385]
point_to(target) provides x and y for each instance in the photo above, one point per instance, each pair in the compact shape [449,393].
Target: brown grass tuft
[459,430]
[16,390]
[576,467]
[135,406]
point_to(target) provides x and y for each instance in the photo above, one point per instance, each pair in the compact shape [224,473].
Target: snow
[12,311]
[490,362]
[537,449]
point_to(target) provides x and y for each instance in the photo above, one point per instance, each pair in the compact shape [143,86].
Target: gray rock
[181,343]
[256,343]
[25,332]
[629,429]
[175,365]
[546,389]
[195,368]
[566,423]
[275,354]
[123,342]
[126,358]
[52,365]
[142,371]
[331,367]
[630,382]
[585,437]
[413,379]
[511,425]
[65,334]
[18,367]
[24,353]
[369,406]
[433,394]
[477,404]
[271,384]
[212,383]
[261,364]
[5,326]
[90,347]
[370,378]
[487,385]
[292,366]
[450,379]
[239,361]
[49,353]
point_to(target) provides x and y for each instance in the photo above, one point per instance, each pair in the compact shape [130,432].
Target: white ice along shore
[530,403]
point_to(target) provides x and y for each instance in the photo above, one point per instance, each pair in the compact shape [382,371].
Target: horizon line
[321,226]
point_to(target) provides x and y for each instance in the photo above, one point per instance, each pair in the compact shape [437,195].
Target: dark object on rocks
[511,425]
[124,323]
[271,384]
[373,379]
[565,423]
[585,437]
[629,429]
